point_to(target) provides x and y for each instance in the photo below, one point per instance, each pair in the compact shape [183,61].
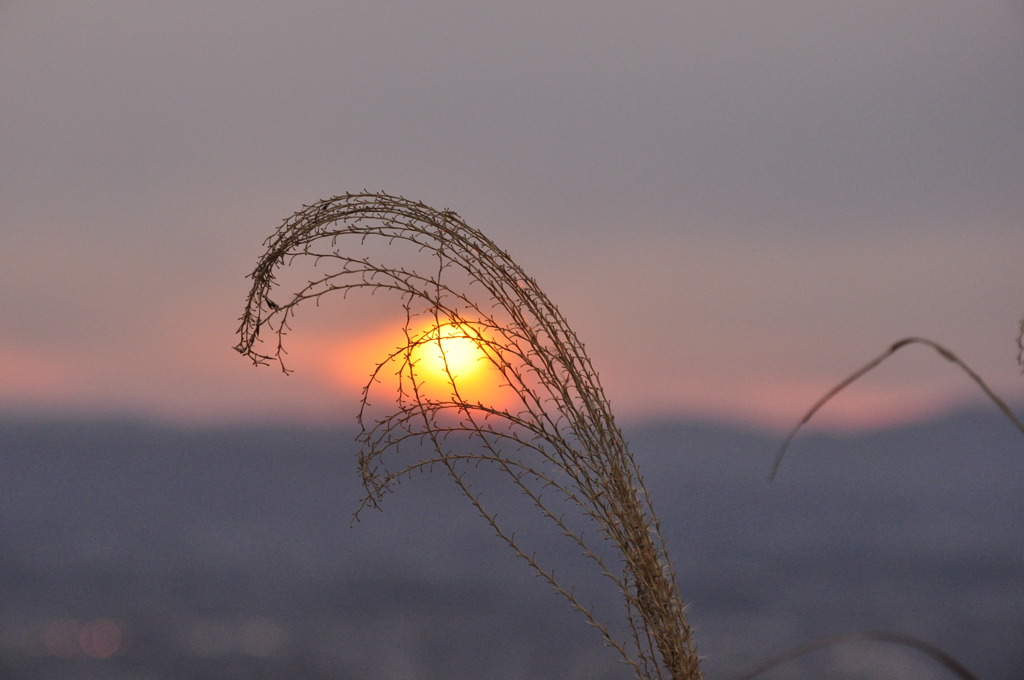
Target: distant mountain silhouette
[228,553]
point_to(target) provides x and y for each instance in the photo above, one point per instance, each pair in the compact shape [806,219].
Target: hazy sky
[735,203]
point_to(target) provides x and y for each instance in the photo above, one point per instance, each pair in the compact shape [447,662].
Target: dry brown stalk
[928,649]
[557,441]
[1020,346]
[944,352]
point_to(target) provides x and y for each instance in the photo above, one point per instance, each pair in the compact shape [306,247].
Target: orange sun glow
[450,359]
[446,360]
[448,351]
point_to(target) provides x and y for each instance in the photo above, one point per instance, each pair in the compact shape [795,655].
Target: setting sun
[449,360]
[446,361]
[449,353]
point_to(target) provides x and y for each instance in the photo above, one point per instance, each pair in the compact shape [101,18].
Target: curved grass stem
[555,439]
[871,365]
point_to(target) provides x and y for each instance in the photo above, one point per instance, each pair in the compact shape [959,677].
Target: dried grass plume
[557,441]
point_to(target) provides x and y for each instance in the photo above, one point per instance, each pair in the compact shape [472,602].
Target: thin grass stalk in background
[1020,346]
[908,641]
[871,365]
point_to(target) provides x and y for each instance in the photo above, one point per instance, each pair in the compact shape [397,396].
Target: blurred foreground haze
[130,551]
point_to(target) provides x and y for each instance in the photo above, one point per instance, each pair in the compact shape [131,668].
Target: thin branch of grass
[871,365]
[932,651]
[557,441]
[1020,346]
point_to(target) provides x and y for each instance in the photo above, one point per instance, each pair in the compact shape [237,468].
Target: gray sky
[734,203]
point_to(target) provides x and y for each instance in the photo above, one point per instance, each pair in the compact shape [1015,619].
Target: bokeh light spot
[101,638]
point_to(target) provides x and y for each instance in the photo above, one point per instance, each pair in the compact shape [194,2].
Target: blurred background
[734,204]
[139,551]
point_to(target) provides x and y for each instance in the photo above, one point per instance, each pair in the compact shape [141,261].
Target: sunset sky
[734,203]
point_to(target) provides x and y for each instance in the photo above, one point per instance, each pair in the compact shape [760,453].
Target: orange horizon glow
[333,364]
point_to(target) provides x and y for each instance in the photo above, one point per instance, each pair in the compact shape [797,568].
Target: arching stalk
[557,440]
